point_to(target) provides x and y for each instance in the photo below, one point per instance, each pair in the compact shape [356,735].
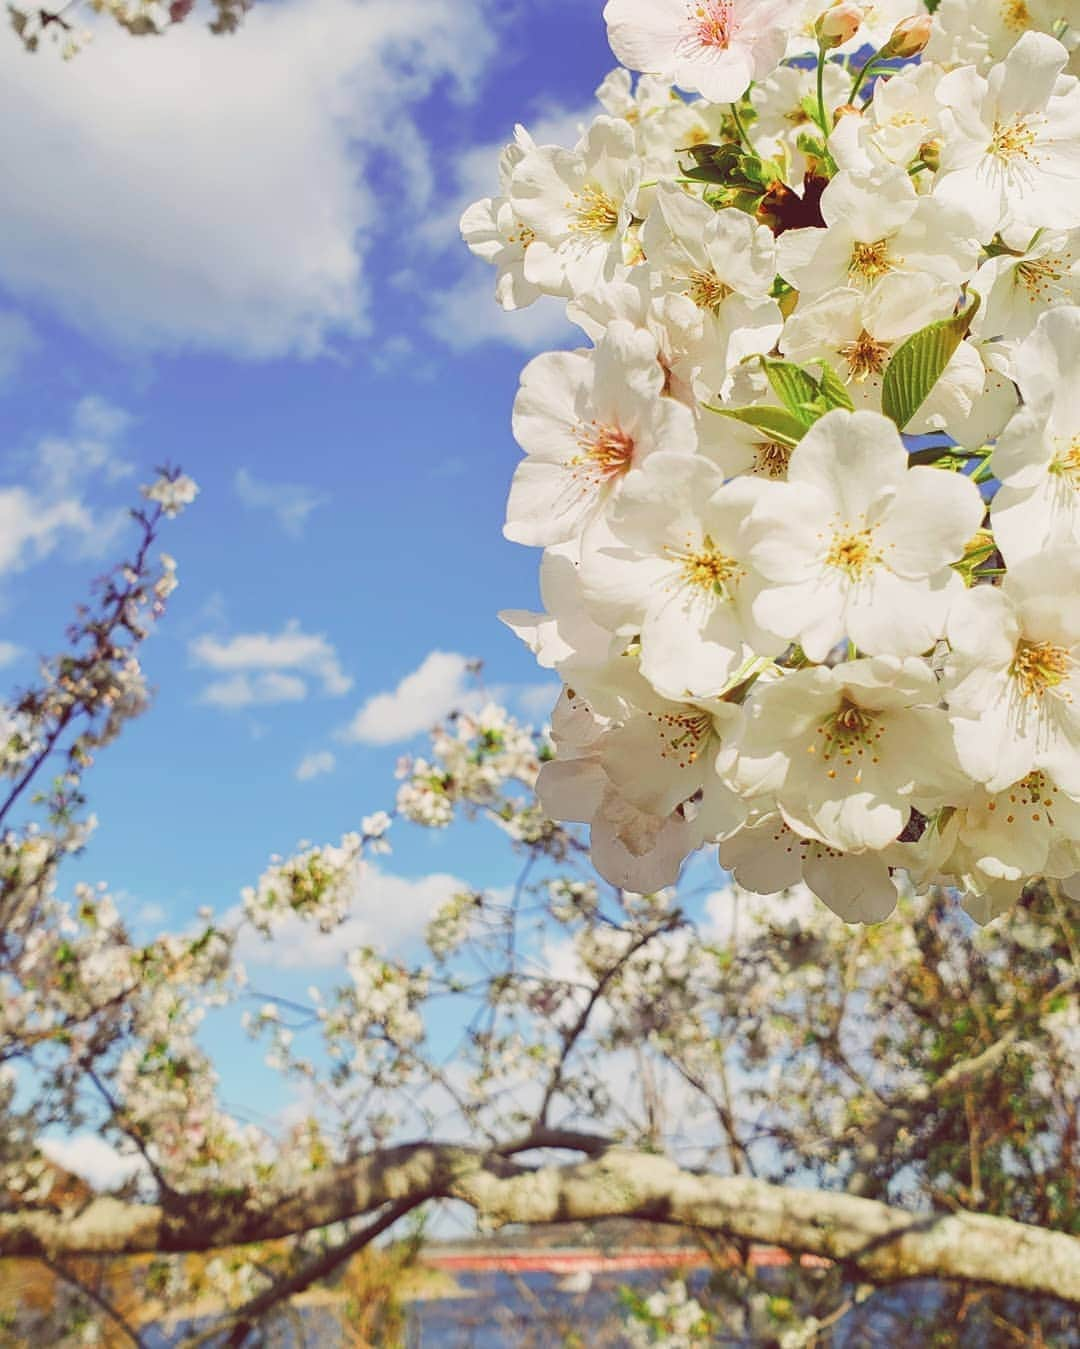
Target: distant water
[528,1311]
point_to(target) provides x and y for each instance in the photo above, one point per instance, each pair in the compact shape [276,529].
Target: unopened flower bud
[909,37]
[838,25]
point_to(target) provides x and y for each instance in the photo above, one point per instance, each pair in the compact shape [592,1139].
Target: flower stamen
[1014,141]
[713,24]
[869,262]
[1038,667]
[865,356]
[607,451]
[771,459]
[595,211]
[707,290]
[683,735]
[707,568]
[854,553]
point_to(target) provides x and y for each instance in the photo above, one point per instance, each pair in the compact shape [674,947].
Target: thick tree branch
[880,1244]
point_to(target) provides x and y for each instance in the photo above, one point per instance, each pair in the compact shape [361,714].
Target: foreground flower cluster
[783,623]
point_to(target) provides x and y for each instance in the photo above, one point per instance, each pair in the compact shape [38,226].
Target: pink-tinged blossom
[586,420]
[711,47]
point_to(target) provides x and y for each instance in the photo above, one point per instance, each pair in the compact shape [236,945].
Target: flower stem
[861,76]
[740,127]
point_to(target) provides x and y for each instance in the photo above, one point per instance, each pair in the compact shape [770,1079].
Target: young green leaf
[919,363]
[779,424]
[796,388]
[834,392]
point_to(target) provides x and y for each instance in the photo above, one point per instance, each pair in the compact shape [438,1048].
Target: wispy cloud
[436,687]
[89,449]
[290,503]
[50,503]
[17,341]
[466,315]
[9,653]
[260,690]
[262,668]
[315,765]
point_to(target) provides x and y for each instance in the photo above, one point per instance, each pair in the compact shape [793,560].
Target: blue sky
[240,255]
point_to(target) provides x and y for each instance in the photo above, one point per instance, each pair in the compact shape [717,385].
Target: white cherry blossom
[1019,286]
[1012,679]
[1011,140]
[786,104]
[575,206]
[877,226]
[768,857]
[492,232]
[669,566]
[845,752]
[725,265]
[1037,459]
[856,545]
[972,32]
[857,334]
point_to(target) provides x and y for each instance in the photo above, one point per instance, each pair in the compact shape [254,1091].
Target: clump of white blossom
[784,623]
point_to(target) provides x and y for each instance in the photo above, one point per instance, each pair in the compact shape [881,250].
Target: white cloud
[537,701]
[259,690]
[290,503]
[89,449]
[264,668]
[17,341]
[466,315]
[9,653]
[438,686]
[89,1156]
[388,911]
[35,517]
[30,529]
[210,193]
[314,765]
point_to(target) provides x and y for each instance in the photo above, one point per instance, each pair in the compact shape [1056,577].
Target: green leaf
[795,387]
[918,364]
[834,392]
[777,423]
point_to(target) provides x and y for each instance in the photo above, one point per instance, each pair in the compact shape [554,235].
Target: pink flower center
[608,451]
[713,23]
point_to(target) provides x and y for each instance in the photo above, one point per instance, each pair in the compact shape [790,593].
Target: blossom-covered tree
[898,1099]
[785,630]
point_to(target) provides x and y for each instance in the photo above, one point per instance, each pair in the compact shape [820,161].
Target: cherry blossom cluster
[139,18]
[809,499]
